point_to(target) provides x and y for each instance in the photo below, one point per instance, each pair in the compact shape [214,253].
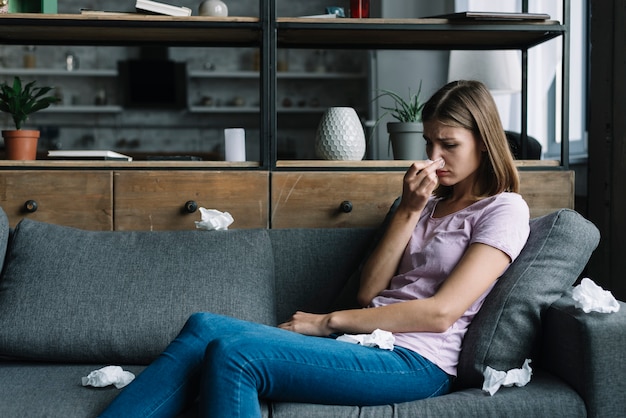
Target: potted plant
[405,135]
[20,101]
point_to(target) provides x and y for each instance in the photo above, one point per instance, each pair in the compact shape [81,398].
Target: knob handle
[346,206]
[30,206]
[191,206]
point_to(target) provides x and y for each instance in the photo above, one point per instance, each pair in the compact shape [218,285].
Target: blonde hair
[468,104]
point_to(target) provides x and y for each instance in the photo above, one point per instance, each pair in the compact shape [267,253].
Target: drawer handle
[346,206]
[30,206]
[191,206]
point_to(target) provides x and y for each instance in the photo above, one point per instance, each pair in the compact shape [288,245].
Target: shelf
[312,75]
[389,164]
[291,32]
[425,34]
[223,74]
[299,75]
[83,109]
[224,109]
[111,29]
[105,165]
[58,72]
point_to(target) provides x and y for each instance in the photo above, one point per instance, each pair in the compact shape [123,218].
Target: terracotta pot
[21,144]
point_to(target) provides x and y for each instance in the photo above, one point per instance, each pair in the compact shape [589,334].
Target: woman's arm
[419,182]
[477,270]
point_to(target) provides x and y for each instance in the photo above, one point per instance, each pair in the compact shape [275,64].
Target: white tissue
[109,375]
[495,378]
[378,338]
[214,220]
[591,297]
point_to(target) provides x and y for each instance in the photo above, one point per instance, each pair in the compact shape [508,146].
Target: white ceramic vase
[340,135]
[213,8]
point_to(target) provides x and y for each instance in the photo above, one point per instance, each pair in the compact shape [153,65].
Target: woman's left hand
[308,324]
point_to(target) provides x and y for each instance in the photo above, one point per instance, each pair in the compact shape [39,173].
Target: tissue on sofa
[591,297]
[378,338]
[109,375]
[214,220]
[494,379]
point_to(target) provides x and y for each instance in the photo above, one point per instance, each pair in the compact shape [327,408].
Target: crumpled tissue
[378,338]
[494,379]
[109,375]
[214,220]
[588,296]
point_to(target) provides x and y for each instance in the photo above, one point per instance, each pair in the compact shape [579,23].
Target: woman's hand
[308,324]
[420,181]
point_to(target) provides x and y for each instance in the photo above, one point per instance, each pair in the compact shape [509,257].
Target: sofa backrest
[312,265]
[84,296]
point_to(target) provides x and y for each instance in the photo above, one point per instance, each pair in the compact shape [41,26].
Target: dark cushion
[120,297]
[506,330]
[4,235]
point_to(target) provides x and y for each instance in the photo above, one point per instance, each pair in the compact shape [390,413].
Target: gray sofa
[72,301]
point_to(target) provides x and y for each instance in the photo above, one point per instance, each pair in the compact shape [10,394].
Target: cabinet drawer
[81,199]
[547,191]
[333,199]
[156,200]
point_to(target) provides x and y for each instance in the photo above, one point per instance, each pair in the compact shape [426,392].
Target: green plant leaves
[20,102]
[409,110]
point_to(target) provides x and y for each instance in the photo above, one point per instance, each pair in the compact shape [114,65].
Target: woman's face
[459,148]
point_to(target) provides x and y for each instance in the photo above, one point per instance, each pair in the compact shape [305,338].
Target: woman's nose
[435,153]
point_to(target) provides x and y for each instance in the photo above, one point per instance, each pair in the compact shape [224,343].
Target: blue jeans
[230,364]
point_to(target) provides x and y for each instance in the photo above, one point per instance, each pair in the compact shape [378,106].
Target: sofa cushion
[4,235]
[120,297]
[506,330]
[305,279]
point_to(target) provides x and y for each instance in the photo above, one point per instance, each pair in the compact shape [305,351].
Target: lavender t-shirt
[436,246]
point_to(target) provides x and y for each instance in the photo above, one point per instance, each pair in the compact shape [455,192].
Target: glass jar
[359,8]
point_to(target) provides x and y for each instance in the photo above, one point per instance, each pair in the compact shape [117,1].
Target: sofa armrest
[588,351]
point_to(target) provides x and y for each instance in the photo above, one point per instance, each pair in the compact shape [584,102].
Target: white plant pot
[340,135]
[407,140]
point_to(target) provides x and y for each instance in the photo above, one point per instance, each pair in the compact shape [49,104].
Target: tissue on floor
[378,338]
[588,296]
[109,375]
[494,379]
[214,220]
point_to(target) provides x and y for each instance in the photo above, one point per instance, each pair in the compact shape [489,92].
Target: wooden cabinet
[152,195]
[152,199]
[169,200]
[361,199]
[333,199]
[547,190]
[81,199]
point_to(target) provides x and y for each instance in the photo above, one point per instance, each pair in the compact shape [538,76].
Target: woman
[459,224]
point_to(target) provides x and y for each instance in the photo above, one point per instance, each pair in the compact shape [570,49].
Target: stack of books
[145,7]
[161,8]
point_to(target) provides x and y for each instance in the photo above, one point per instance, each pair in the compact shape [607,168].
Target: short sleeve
[504,224]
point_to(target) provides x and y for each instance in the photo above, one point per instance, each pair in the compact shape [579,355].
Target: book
[162,8]
[324,16]
[84,11]
[88,155]
[503,16]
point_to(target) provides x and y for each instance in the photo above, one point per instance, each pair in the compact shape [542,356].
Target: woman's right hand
[420,181]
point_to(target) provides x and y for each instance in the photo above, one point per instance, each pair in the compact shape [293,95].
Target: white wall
[389,68]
